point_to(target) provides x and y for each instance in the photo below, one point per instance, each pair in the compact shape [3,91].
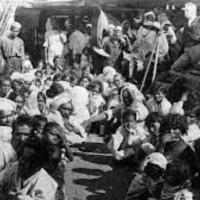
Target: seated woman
[74,133]
[127,140]
[7,116]
[26,179]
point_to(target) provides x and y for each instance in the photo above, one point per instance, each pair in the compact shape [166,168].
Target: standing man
[12,50]
[191,39]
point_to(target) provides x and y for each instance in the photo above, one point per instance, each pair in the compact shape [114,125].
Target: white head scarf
[7,105]
[157,159]
[61,99]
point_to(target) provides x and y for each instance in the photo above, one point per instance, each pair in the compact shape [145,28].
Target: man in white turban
[12,50]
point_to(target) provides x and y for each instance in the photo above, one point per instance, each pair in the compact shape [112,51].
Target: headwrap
[135,93]
[7,106]
[61,99]
[156,159]
[183,194]
[108,73]
[16,25]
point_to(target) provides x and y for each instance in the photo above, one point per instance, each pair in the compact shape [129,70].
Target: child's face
[57,62]
[154,128]
[127,98]
[40,65]
[52,138]
[37,84]
[19,101]
[85,82]
[86,72]
[129,122]
[158,96]
[96,90]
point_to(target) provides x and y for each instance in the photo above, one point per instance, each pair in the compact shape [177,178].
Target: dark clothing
[191,45]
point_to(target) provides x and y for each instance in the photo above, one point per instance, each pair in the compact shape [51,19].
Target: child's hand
[184,97]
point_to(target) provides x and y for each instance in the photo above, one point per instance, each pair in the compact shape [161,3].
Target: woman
[54,42]
[75,134]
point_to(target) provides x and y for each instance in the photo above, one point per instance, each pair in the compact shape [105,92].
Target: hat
[101,52]
[156,159]
[7,106]
[16,25]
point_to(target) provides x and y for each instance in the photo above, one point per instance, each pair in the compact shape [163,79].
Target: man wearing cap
[12,49]
[191,39]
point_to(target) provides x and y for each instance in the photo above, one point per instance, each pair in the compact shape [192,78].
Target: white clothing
[163,108]
[54,42]
[133,139]
[40,186]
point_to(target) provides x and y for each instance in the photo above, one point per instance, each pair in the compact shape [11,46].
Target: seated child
[159,103]
[128,138]
[96,99]
[152,123]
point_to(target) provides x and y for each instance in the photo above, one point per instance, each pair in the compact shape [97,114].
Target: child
[85,81]
[149,182]
[128,138]
[96,99]
[57,67]
[152,123]
[27,65]
[159,103]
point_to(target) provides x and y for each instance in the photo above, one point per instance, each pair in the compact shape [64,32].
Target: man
[26,179]
[12,49]
[22,130]
[191,39]
[5,88]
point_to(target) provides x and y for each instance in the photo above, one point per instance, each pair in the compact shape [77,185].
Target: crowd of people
[46,110]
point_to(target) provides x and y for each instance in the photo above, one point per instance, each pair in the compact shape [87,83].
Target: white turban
[16,76]
[7,106]
[16,25]
[61,99]
[156,159]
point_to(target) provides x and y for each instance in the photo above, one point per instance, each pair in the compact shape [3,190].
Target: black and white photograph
[99,99]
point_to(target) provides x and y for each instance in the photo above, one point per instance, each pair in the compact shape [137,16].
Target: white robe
[40,186]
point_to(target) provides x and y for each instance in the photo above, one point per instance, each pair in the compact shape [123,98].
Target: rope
[148,66]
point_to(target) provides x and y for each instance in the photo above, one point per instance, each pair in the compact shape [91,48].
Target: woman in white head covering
[74,132]
[7,116]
